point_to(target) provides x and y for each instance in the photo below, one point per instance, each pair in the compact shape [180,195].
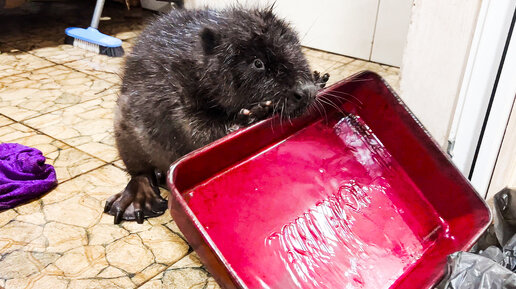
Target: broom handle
[97,13]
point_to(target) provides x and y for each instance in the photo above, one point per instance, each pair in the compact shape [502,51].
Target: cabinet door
[339,26]
[391,31]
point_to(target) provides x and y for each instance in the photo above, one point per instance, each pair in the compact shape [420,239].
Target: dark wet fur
[189,76]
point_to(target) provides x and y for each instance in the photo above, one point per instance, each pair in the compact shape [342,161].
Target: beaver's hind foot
[140,199]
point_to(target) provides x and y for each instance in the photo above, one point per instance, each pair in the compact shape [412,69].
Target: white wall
[434,60]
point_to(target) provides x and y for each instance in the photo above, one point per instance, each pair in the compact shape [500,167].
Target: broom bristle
[112,51]
[109,51]
[86,45]
[69,40]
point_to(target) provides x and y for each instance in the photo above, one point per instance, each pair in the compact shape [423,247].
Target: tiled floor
[59,99]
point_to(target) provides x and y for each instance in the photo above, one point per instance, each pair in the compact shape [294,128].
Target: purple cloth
[23,175]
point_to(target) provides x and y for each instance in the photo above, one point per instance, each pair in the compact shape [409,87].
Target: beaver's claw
[319,80]
[255,113]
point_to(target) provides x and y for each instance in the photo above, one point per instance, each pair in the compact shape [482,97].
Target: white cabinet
[391,31]
[340,26]
[374,30]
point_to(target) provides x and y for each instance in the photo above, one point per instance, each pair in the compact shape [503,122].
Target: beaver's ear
[209,39]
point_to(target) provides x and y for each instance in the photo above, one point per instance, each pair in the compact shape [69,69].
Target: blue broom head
[92,35]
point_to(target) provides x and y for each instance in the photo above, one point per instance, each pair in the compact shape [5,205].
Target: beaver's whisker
[346,94]
[330,103]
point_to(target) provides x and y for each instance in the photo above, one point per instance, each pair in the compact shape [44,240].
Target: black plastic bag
[505,215]
[472,271]
[505,256]
[494,253]
[488,239]
[505,225]
[509,254]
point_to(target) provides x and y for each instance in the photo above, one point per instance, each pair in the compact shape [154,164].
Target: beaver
[193,77]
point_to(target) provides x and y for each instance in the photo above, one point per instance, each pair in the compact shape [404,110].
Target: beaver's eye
[258,64]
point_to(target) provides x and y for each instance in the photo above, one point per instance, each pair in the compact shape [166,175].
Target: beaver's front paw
[255,113]
[319,80]
[140,199]
[233,128]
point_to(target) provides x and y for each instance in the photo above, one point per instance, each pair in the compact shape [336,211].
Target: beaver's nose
[304,92]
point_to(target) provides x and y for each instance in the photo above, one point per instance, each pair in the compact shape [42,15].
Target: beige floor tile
[185,274]
[47,279]
[87,126]
[102,66]
[390,74]
[359,65]
[122,282]
[312,53]
[16,61]
[67,161]
[67,233]
[95,186]
[120,164]
[62,53]
[39,91]
[340,67]
[5,121]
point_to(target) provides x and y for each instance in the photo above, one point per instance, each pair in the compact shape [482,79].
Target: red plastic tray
[358,196]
